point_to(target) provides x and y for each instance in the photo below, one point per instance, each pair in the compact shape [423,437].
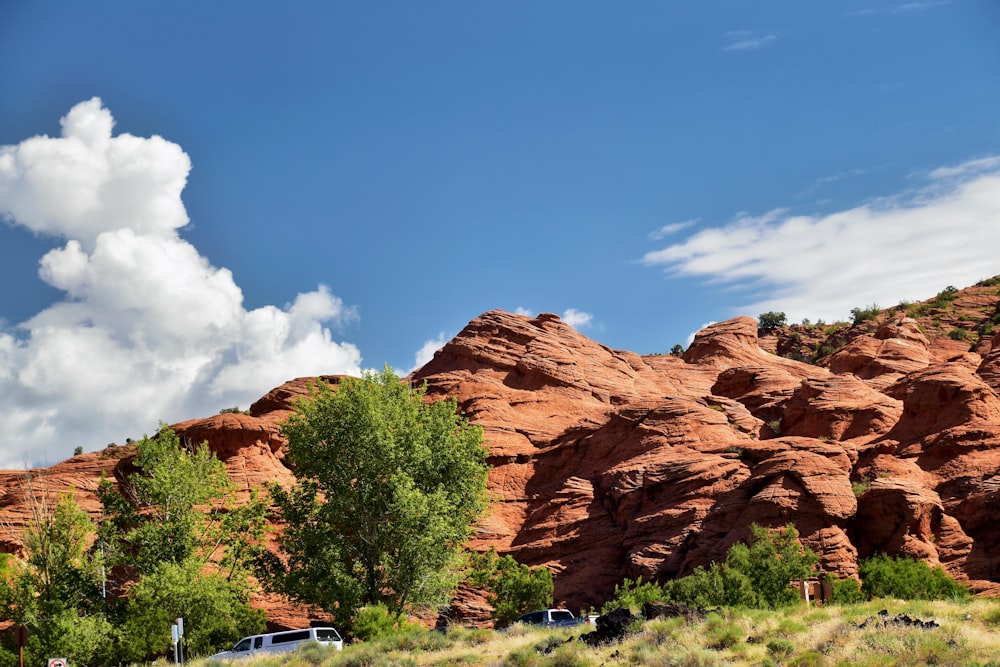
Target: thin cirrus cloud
[672,228]
[148,328]
[903,8]
[905,247]
[746,40]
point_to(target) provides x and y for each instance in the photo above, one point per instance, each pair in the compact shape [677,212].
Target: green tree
[770,322]
[55,590]
[214,610]
[388,487]
[512,588]
[677,350]
[179,545]
[178,505]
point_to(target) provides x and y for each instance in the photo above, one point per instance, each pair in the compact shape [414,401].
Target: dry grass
[968,636]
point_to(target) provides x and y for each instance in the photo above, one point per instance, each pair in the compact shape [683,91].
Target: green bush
[846,591]
[757,575]
[945,297]
[860,315]
[512,588]
[770,322]
[376,621]
[779,648]
[908,579]
[633,594]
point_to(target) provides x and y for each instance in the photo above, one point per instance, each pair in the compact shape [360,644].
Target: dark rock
[611,627]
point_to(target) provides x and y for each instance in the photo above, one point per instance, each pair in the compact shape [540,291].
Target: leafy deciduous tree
[388,487]
[55,590]
[175,527]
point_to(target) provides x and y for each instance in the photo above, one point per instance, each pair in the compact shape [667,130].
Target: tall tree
[179,545]
[55,590]
[388,488]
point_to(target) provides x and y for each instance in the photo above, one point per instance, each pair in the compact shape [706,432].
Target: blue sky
[239,193]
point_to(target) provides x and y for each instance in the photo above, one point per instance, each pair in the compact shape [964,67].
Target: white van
[281,642]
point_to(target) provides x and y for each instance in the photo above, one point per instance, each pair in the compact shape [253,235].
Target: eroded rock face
[660,467]
[608,464]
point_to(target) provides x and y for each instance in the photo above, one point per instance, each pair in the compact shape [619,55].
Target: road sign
[57,662]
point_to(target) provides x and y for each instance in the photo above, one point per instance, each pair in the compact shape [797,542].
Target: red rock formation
[608,464]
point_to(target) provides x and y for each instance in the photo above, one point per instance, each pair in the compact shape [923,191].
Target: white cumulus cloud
[426,352]
[907,247]
[577,318]
[148,328]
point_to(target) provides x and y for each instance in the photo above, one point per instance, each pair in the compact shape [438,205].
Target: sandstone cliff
[878,436]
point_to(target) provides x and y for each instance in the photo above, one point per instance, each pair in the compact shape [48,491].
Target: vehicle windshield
[242,645]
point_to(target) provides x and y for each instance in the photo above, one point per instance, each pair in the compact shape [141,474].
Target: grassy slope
[969,636]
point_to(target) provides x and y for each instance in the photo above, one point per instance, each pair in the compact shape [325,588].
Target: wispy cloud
[908,246]
[671,229]
[906,7]
[833,178]
[148,328]
[746,40]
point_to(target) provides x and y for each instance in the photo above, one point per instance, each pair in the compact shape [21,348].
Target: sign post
[180,639]
[175,637]
[21,638]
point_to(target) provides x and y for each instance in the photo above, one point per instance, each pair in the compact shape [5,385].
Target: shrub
[633,594]
[906,578]
[376,621]
[721,633]
[846,591]
[677,350]
[944,297]
[757,575]
[770,322]
[860,315]
[780,648]
[512,588]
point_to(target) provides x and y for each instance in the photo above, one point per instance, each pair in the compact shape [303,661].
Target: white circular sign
[57,662]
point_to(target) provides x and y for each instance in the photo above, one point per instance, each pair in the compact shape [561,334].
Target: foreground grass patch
[967,634]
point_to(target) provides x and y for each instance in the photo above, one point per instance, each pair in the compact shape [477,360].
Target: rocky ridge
[607,463]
